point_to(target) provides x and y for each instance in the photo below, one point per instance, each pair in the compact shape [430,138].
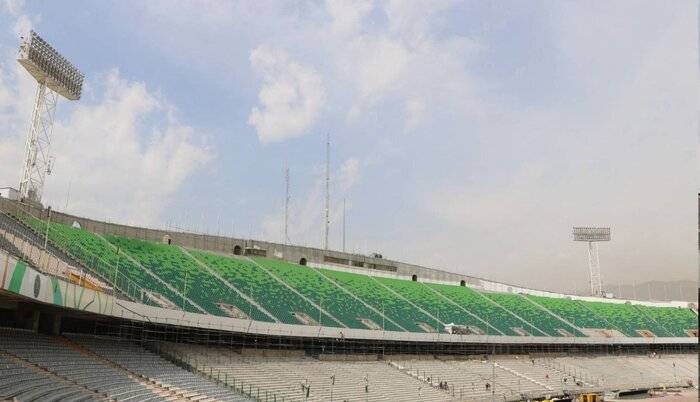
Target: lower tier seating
[54,357]
[139,360]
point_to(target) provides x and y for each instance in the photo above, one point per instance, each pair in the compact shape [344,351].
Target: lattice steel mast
[593,236]
[55,76]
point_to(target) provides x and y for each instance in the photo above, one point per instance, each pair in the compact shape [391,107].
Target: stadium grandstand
[94,310]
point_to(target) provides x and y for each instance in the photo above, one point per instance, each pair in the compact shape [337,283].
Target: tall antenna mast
[328,195]
[286,204]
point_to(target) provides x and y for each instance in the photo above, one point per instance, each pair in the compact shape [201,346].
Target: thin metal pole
[286,205]
[46,235]
[184,291]
[344,224]
[328,196]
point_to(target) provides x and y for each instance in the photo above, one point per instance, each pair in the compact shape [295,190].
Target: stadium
[104,311]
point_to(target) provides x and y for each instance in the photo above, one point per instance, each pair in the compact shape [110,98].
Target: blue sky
[468,136]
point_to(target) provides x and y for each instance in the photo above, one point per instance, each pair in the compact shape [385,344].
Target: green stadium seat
[264,289]
[394,307]
[491,313]
[327,294]
[183,273]
[533,314]
[675,320]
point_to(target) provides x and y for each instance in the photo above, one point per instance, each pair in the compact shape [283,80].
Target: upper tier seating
[574,312]
[201,281]
[100,256]
[490,312]
[675,320]
[327,294]
[440,308]
[376,295]
[259,285]
[532,314]
[626,317]
[183,273]
[20,228]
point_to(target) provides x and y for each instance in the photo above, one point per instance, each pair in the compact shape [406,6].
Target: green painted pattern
[570,310]
[626,317]
[374,294]
[532,313]
[170,264]
[57,298]
[430,301]
[468,298]
[325,293]
[264,289]
[183,273]
[676,320]
[17,277]
[99,256]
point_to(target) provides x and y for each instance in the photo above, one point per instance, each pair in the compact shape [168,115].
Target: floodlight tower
[593,236]
[55,76]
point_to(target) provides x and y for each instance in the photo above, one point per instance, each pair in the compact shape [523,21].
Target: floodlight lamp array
[591,234]
[49,67]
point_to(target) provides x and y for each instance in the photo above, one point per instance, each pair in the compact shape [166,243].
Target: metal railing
[216,375]
[121,284]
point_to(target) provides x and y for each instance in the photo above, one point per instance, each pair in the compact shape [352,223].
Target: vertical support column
[594,268]
[36,316]
[56,327]
[37,160]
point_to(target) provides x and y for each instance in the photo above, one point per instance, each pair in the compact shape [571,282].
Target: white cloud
[291,97]
[347,15]
[414,109]
[124,155]
[349,173]
[121,155]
